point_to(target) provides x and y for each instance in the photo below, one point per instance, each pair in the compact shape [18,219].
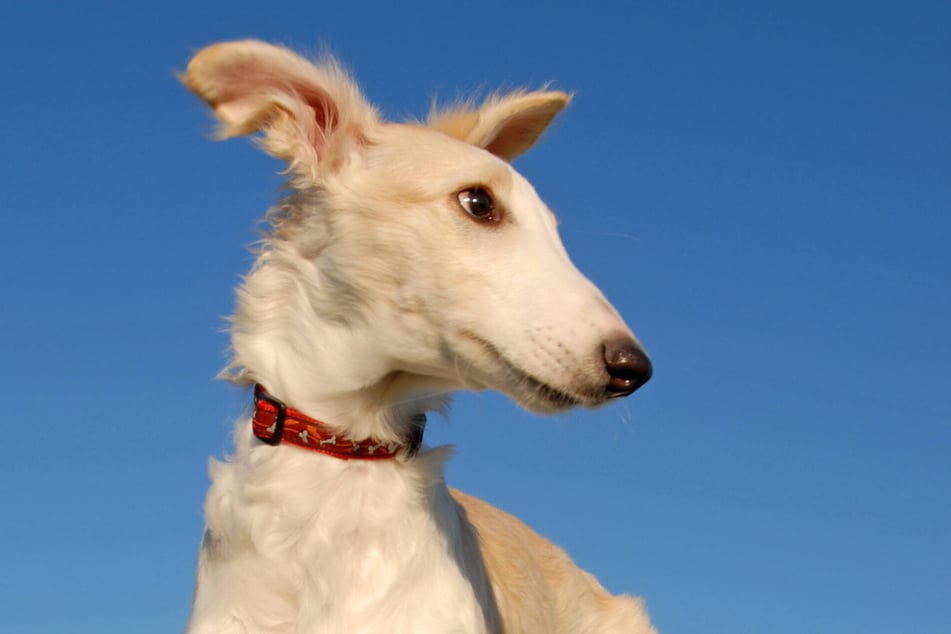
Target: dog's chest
[347,550]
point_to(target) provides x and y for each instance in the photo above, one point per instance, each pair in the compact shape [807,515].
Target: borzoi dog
[405,261]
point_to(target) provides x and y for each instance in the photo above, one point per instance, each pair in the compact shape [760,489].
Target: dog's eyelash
[479,203]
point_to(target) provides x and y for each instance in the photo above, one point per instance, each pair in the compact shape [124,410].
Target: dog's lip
[552,396]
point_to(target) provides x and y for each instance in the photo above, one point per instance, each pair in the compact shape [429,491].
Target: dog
[405,261]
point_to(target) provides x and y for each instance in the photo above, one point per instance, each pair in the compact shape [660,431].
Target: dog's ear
[506,125]
[309,115]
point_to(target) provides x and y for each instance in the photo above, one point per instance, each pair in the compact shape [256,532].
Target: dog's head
[410,254]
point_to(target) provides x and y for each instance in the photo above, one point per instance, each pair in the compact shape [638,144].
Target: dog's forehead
[426,142]
[412,152]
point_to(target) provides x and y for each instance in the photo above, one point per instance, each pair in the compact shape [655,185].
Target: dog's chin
[545,399]
[523,387]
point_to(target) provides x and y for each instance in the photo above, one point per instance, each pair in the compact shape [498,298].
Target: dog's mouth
[524,387]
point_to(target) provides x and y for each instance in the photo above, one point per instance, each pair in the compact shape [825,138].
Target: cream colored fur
[373,297]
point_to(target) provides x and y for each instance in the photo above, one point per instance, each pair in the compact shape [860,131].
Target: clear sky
[762,189]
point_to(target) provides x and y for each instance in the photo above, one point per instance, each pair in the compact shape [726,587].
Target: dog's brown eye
[479,204]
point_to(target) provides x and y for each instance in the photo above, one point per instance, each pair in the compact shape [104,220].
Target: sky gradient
[763,190]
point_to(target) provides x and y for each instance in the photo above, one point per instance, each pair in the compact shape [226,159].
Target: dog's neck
[328,366]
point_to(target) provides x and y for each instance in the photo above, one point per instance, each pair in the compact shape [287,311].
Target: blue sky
[762,189]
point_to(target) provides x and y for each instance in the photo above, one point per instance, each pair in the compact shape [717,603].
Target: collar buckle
[276,429]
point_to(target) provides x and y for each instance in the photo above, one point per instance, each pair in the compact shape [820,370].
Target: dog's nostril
[628,367]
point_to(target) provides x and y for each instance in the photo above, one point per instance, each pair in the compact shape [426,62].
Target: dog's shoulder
[538,587]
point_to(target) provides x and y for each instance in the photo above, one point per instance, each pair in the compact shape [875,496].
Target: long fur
[373,297]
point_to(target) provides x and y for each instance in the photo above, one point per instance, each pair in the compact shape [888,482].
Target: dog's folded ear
[309,114]
[506,125]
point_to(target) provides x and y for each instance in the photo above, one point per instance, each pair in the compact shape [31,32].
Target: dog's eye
[479,204]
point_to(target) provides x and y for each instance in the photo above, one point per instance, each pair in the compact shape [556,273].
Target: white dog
[405,262]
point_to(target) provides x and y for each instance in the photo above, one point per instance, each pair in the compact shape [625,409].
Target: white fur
[373,297]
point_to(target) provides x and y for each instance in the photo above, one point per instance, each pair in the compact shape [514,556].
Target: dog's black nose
[628,366]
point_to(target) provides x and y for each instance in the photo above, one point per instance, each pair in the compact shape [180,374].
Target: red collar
[274,422]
